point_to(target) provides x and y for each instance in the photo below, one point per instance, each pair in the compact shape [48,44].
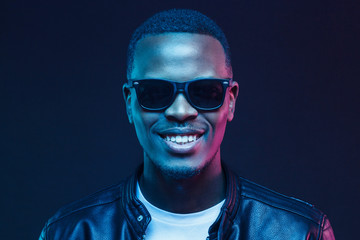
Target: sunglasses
[202,94]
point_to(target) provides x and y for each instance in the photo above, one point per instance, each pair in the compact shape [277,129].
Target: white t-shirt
[175,226]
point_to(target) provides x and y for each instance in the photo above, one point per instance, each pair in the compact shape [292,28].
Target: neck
[186,195]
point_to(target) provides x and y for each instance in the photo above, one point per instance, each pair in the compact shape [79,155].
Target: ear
[233,93]
[127,98]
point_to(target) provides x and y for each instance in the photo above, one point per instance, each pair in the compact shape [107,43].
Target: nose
[180,110]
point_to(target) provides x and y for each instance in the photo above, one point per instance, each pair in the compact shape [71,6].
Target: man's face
[180,140]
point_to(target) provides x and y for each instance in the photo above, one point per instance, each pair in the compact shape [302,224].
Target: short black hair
[177,20]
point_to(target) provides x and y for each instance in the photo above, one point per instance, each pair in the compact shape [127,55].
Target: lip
[181,131]
[176,148]
[186,148]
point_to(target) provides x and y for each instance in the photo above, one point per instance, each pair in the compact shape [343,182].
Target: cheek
[143,122]
[219,118]
[218,121]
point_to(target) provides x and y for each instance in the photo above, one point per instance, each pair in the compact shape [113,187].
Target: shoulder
[278,216]
[89,205]
[255,192]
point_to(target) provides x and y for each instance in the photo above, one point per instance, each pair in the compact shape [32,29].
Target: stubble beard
[181,173]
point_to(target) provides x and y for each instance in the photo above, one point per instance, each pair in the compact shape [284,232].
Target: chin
[182,169]
[180,172]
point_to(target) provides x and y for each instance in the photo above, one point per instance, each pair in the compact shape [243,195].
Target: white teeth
[181,139]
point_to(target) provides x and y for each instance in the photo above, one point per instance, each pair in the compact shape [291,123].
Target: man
[179,96]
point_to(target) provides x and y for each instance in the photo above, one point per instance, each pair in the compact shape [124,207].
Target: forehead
[179,56]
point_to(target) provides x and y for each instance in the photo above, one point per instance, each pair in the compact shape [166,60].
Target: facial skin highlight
[180,57]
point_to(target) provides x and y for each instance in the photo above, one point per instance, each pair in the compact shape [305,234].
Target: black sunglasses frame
[181,87]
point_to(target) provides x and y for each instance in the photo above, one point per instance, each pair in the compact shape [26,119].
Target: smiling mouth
[181,139]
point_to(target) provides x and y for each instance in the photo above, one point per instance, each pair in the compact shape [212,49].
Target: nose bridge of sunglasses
[181,105]
[179,86]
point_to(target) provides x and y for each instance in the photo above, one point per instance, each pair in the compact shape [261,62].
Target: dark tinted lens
[206,93]
[154,94]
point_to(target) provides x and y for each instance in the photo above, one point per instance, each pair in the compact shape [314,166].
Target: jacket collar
[139,218]
[136,213]
[230,207]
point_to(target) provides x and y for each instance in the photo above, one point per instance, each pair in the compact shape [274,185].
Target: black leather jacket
[250,211]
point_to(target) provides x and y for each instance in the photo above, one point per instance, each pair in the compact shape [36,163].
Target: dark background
[64,131]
